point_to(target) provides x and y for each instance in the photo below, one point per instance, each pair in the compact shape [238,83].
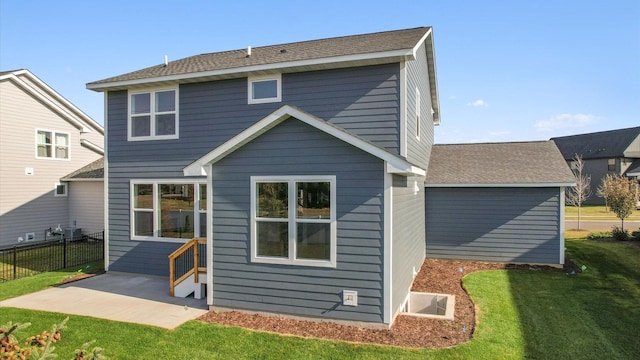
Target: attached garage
[496,202]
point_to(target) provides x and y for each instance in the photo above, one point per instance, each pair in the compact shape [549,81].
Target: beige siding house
[43,137]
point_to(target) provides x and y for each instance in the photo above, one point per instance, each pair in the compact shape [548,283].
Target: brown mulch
[73,278]
[436,276]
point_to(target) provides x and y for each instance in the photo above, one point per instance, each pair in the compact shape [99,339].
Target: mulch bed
[74,278]
[436,276]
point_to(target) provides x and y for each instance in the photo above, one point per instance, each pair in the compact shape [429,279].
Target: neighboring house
[302,164]
[86,196]
[497,202]
[606,152]
[43,137]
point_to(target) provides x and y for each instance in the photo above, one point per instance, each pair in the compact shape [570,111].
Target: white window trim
[53,144]
[252,79]
[291,260]
[66,189]
[152,114]
[418,114]
[156,222]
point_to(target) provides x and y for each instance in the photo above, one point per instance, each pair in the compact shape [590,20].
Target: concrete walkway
[130,298]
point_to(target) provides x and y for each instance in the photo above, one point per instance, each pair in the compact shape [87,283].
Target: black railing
[29,259]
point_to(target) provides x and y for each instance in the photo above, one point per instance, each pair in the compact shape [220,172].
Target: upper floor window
[294,220]
[264,89]
[52,145]
[418,114]
[153,115]
[611,165]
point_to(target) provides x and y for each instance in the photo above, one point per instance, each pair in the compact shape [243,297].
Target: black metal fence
[29,259]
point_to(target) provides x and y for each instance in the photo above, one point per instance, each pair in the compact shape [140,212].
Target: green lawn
[521,314]
[595,212]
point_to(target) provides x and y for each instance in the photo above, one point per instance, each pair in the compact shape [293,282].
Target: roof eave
[296,66]
[502,185]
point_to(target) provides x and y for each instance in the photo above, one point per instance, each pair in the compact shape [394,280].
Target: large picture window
[153,115]
[168,211]
[294,220]
[52,145]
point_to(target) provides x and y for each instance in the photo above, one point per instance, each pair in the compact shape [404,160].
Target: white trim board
[514,185]
[395,164]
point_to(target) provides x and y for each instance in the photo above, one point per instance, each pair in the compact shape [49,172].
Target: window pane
[273,239]
[166,101]
[141,103]
[314,241]
[143,196]
[141,126]
[62,152]
[272,200]
[143,223]
[44,137]
[176,210]
[203,224]
[44,150]
[62,139]
[166,124]
[203,197]
[264,89]
[61,189]
[314,200]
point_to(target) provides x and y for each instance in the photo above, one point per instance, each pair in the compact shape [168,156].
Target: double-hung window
[167,210]
[264,89]
[153,115]
[52,145]
[294,220]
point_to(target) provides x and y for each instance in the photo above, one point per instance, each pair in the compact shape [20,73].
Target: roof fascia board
[514,185]
[83,179]
[406,54]
[424,37]
[91,146]
[396,164]
[53,106]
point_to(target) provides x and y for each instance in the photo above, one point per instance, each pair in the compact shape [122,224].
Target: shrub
[599,235]
[619,234]
[636,234]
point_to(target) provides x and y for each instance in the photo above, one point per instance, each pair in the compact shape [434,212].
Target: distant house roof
[345,51]
[37,88]
[93,171]
[516,164]
[604,144]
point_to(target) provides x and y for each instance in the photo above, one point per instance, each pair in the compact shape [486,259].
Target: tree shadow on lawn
[589,314]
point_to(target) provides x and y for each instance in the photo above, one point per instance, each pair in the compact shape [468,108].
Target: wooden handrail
[193,243]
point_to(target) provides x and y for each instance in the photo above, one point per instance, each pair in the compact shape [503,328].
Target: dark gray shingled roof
[94,170]
[604,144]
[634,169]
[535,162]
[273,54]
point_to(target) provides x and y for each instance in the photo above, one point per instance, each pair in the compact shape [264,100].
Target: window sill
[280,261]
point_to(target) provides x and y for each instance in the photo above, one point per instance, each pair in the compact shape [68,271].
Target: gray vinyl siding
[363,100]
[86,205]
[419,151]
[408,238]
[597,169]
[27,202]
[494,224]
[294,148]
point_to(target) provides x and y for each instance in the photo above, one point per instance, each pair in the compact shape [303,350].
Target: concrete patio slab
[124,297]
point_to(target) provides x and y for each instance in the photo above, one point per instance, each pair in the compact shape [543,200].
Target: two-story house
[43,137]
[303,165]
[605,152]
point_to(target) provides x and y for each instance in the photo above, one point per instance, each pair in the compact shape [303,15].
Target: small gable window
[52,145]
[264,89]
[60,190]
[153,115]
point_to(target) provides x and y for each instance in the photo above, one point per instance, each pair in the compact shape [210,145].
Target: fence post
[64,252]
[15,259]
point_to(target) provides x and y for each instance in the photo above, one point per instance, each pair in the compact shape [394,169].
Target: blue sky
[507,70]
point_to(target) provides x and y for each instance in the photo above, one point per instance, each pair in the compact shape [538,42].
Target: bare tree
[581,191]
